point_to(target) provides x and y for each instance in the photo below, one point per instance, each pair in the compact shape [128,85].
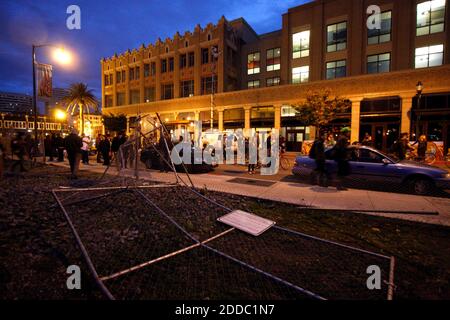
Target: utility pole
[214,57]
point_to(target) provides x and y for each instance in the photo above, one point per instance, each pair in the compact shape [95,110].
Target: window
[253,63]
[135,97]
[300,75]
[124,76]
[137,73]
[186,88]
[379,63]
[368,156]
[146,70]
[270,82]
[273,59]
[163,65]
[429,56]
[205,55]
[183,61]
[108,101]
[118,77]
[167,91]
[191,59]
[106,77]
[337,37]
[153,68]
[208,84]
[171,64]
[131,72]
[120,98]
[430,17]
[300,44]
[111,79]
[384,34]
[336,69]
[149,94]
[253,84]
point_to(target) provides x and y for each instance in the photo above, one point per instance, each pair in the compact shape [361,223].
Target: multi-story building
[322,44]
[15,103]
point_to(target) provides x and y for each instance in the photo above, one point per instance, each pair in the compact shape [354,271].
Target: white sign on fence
[247,222]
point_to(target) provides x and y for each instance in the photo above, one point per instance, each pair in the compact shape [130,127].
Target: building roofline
[242,19]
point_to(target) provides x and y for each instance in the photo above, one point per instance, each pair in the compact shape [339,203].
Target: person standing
[48,144]
[59,144]
[341,157]
[105,148]
[318,154]
[367,141]
[85,148]
[73,146]
[98,143]
[401,147]
[2,154]
[422,146]
[18,148]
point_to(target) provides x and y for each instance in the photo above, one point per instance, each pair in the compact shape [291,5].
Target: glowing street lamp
[60,115]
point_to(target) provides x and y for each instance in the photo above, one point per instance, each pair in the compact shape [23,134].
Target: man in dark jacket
[318,154]
[105,148]
[73,146]
[59,144]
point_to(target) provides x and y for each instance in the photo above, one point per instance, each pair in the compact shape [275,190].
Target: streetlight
[60,115]
[419,90]
[60,55]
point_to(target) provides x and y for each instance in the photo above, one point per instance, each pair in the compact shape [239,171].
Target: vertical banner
[44,80]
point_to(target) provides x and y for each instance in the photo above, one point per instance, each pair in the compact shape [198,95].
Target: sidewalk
[305,195]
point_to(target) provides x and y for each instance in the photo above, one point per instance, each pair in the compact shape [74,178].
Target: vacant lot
[122,230]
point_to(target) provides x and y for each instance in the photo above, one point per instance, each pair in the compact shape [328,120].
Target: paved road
[305,195]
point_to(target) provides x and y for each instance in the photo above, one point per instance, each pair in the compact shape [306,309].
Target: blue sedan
[375,167]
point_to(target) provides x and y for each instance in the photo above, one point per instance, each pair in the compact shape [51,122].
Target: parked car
[375,167]
[150,157]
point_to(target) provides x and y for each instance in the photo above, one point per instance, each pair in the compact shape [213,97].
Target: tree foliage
[320,108]
[80,99]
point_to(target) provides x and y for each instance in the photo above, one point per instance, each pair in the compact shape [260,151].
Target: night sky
[108,27]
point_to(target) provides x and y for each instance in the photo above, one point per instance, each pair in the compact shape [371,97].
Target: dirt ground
[119,231]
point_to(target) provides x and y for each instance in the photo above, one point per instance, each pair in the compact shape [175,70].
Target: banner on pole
[44,80]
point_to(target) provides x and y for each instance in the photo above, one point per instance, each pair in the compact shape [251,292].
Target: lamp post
[63,58]
[419,90]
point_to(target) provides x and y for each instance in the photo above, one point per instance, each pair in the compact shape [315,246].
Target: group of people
[339,154]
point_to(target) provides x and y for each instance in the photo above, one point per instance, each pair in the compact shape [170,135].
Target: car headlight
[446,175]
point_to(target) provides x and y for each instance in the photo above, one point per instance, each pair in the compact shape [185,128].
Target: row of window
[208,85]
[270,82]
[186,60]
[430,19]
[273,61]
[424,58]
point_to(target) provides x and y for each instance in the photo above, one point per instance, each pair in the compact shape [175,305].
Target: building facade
[15,103]
[322,44]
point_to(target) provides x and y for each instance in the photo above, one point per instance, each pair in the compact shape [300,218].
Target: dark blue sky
[108,27]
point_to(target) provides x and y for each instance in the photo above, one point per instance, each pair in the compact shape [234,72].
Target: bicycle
[285,164]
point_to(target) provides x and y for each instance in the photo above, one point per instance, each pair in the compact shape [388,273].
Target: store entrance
[294,138]
[383,134]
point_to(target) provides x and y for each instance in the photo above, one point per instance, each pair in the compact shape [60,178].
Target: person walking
[73,144]
[341,157]
[85,149]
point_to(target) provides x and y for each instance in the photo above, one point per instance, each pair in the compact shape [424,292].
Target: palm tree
[81,99]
